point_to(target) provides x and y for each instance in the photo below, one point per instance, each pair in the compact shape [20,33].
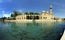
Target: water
[31,31]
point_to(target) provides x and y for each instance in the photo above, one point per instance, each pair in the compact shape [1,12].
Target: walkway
[63,37]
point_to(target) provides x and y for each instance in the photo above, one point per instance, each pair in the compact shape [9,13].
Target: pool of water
[31,31]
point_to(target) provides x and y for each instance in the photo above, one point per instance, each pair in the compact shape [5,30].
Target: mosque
[45,15]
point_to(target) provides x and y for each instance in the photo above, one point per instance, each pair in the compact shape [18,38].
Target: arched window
[22,17]
[41,17]
[44,17]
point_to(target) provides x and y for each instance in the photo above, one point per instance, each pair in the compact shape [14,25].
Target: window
[52,18]
[44,17]
[22,17]
[41,17]
[19,18]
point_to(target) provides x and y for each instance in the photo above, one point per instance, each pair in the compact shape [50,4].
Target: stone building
[21,17]
[45,15]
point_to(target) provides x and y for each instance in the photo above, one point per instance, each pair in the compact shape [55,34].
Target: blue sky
[7,6]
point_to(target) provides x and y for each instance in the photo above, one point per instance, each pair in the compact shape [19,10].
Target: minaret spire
[50,9]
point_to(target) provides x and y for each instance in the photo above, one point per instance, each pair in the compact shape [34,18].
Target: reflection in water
[31,31]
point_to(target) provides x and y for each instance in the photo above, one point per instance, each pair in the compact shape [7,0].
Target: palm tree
[26,13]
[15,13]
[12,15]
[36,13]
[31,13]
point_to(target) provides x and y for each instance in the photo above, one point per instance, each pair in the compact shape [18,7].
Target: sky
[8,6]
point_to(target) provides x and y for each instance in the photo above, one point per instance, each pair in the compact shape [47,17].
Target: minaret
[50,9]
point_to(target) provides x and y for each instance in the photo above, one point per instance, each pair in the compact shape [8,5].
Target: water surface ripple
[31,31]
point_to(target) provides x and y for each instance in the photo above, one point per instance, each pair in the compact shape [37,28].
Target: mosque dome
[47,11]
[43,11]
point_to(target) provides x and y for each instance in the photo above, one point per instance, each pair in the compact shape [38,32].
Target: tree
[26,13]
[15,13]
[36,13]
[31,13]
[3,18]
[12,15]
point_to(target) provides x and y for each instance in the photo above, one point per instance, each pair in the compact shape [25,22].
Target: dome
[43,11]
[47,11]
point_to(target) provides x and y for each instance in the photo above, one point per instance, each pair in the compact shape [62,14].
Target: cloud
[6,14]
